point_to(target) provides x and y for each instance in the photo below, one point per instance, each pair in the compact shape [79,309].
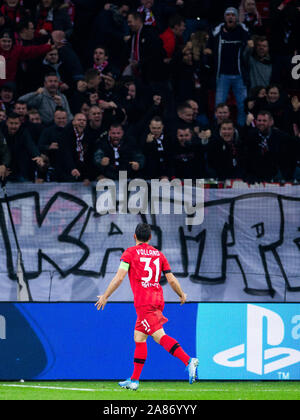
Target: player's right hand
[101,302]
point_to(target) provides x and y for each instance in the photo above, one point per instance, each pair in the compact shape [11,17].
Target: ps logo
[261,353]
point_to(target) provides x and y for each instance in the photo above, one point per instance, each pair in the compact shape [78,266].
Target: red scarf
[100,67]
[149,17]
[44,21]
[14,14]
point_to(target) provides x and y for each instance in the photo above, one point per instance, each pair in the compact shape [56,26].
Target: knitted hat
[232,10]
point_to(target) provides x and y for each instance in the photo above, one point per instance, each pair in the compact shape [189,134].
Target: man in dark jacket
[227,43]
[187,159]
[225,153]
[145,51]
[156,147]
[116,152]
[49,143]
[74,159]
[22,149]
[270,153]
[110,28]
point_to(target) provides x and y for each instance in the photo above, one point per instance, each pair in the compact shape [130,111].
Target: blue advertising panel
[73,341]
[56,341]
[248,342]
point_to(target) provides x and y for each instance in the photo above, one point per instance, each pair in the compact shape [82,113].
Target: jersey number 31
[149,270]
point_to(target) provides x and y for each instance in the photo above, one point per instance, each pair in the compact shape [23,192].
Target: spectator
[186,158]
[117,152]
[110,28]
[108,89]
[4,157]
[249,16]
[53,64]
[2,115]
[7,95]
[20,108]
[184,118]
[172,37]
[109,96]
[271,153]
[13,13]
[156,147]
[279,105]
[296,115]
[284,39]
[258,61]
[228,41]
[34,116]
[24,34]
[225,153]
[28,73]
[140,106]
[95,125]
[49,144]
[100,59]
[72,67]
[75,163]
[14,54]
[34,129]
[52,15]
[152,12]
[192,75]
[222,112]
[144,51]
[200,118]
[87,90]
[47,98]
[22,149]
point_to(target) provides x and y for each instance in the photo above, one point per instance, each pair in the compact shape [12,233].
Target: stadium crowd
[158,88]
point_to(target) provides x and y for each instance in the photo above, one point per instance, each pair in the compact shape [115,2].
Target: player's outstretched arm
[113,285]
[174,283]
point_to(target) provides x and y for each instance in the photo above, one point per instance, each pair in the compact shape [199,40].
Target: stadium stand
[139,60]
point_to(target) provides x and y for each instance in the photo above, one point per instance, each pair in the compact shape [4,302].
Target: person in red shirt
[172,36]
[14,54]
[144,265]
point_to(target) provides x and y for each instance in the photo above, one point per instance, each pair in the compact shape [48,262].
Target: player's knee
[158,335]
[139,337]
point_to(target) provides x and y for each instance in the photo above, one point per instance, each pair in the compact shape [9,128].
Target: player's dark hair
[143,232]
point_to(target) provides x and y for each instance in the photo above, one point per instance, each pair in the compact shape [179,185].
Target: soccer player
[144,265]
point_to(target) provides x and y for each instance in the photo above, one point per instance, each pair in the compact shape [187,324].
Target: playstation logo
[265,328]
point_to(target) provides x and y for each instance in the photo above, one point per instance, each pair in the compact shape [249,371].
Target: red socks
[173,347]
[140,356]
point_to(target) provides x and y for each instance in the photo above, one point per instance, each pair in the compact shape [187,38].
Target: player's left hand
[183,298]
[101,302]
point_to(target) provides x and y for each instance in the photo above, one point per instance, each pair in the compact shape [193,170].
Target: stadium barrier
[73,341]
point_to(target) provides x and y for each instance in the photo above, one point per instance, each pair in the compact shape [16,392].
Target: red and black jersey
[146,264]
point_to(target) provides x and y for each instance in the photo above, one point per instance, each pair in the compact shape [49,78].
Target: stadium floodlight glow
[165,197]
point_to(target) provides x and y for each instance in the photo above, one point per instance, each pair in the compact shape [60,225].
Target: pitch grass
[110,391]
